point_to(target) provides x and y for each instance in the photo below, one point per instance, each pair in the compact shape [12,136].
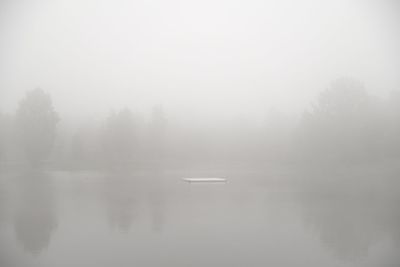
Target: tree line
[345,124]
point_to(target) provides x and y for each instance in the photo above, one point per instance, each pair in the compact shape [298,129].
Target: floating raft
[205,180]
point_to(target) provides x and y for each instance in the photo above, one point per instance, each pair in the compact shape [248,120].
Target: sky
[210,58]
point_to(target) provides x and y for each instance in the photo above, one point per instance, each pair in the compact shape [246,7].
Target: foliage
[36,125]
[344,124]
[119,136]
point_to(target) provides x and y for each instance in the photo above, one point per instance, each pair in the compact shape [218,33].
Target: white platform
[205,180]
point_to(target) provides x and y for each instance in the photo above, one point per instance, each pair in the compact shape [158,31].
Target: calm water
[349,218]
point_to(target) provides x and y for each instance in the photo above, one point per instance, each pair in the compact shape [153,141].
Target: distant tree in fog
[119,137]
[36,125]
[158,121]
[7,137]
[343,124]
[157,133]
[2,125]
[77,149]
[3,134]
[344,97]
[393,124]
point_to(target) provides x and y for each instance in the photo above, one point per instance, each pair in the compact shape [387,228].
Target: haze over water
[152,219]
[106,106]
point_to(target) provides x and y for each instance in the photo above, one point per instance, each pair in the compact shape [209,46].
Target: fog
[112,113]
[258,55]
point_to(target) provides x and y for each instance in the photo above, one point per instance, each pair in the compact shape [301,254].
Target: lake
[279,217]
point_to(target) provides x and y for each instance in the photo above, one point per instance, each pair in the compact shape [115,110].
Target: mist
[210,133]
[99,55]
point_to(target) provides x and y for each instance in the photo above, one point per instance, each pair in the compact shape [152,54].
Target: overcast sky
[209,57]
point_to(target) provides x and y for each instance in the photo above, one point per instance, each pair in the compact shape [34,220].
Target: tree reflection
[127,193]
[3,201]
[351,211]
[120,199]
[156,200]
[35,218]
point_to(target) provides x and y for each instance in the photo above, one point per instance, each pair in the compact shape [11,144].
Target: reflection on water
[345,218]
[344,228]
[352,211]
[3,202]
[126,193]
[120,198]
[35,218]
[157,202]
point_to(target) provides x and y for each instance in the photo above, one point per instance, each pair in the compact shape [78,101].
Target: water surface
[153,218]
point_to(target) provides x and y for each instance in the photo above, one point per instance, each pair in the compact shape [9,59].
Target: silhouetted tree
[36,124]
[119,137]
[343,124]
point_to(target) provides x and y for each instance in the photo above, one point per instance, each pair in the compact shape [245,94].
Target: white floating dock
[205,180]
